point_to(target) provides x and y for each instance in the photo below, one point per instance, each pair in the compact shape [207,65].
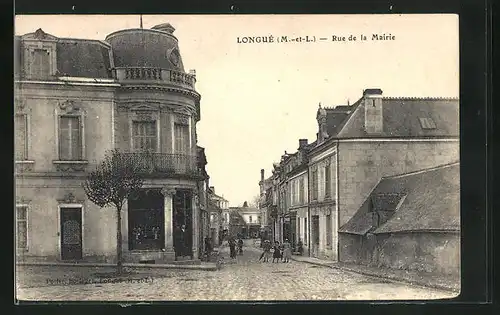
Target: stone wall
[363,163]
[418,251]
[429,252]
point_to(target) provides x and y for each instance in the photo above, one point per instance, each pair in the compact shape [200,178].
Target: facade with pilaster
[75,99]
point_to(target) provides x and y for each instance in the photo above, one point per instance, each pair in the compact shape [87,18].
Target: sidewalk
[412,277]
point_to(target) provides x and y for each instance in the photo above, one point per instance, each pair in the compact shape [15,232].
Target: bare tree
[255,201]
[111,183]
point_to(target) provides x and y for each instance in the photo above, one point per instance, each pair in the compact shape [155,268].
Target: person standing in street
[287,251]
[266,253]
[276,252]
[232,248]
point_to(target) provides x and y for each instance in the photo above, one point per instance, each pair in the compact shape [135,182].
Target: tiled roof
[431,202]
[402,118]
[75,58]
[334,119]
[83,58]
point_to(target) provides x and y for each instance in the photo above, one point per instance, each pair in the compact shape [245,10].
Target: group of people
[232,247]
[281,252]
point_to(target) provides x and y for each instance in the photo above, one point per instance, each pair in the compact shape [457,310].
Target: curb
[392,278]
[210,267]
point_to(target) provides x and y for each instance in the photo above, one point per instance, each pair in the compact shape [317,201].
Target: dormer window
[40,55]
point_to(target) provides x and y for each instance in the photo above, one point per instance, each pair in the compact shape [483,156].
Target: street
[246,279]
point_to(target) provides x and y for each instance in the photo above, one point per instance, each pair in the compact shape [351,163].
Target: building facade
[75,99]
[217,205]
[356,146]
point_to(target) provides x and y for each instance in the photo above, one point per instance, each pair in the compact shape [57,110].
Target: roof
[83,58]
[429,200]
[402,118]
[75,57]
[145,48]
[334,119]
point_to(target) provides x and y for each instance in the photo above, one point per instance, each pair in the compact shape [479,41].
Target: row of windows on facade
[144,137]
[296,194]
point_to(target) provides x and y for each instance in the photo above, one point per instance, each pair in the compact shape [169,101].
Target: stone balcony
[164,164]
[147,75]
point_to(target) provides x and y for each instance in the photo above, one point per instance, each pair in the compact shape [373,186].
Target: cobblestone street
[245,279]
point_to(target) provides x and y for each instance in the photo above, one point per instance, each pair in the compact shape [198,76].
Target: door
[71,233]
[315,235]
[293,231]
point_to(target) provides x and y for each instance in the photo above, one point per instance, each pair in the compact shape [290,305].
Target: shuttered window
[40,64]
[21,137]
[22,227]
[181,138]
[144,136]
[70,141]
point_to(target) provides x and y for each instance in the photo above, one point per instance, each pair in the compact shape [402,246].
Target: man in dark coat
[178,242]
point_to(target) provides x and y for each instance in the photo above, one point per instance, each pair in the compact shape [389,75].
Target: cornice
[180,90]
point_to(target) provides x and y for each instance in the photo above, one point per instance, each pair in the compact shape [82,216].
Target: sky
[259,99]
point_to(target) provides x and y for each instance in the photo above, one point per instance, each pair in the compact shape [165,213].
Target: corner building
[77,99]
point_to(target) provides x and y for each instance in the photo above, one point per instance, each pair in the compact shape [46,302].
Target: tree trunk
[119,267]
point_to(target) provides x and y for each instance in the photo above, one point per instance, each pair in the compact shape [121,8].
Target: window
[328,231]
[301,191]
[314,184]
[40,63]
[144,136]
[181,138]
[327,181]
[250,219]
[305,230]
[258,218]
[22,227]
[427,123]
[70,141]
[21,144]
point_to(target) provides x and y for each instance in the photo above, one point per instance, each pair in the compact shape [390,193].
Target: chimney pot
[262,174]
[302,143]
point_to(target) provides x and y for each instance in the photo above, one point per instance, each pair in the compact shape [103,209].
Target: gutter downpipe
[308,212]
[337,205]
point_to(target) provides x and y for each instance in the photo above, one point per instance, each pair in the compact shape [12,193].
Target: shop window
[146,221]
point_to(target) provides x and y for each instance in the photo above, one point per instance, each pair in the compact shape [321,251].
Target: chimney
[373,111]
[165,27]
[212,189]
[302,143]
[262,174]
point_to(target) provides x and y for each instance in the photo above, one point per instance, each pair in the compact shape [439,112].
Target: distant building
[75,99]
[245,221]
[265,205]
[217,206]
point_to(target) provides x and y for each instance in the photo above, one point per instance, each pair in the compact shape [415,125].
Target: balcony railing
[163,164]
[155,75]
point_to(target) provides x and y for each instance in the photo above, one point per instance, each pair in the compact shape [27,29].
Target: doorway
[183,215]
[315,235]
[71,233]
